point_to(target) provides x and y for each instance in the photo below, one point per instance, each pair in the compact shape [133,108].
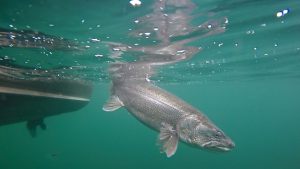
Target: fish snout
[231,144]
[228,145]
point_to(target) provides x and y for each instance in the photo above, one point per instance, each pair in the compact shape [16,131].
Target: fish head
[200,132]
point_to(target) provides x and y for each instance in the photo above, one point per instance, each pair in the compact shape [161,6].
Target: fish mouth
[224,148]
[219,146]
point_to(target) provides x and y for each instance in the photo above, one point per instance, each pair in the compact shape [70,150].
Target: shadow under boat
[32,99]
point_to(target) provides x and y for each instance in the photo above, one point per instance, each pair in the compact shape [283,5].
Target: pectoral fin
[113,104]
[168,139]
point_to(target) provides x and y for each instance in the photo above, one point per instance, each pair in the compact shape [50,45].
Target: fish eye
[218,134]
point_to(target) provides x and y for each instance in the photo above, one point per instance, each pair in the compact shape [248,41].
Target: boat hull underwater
[29,95]
[32,99]
[35,39]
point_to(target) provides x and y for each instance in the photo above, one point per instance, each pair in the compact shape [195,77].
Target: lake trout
[172,117]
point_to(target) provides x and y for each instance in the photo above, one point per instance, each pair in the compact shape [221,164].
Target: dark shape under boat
[33,99]
[34,39]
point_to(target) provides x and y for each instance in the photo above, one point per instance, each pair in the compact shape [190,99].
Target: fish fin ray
[113,104]
[168,139]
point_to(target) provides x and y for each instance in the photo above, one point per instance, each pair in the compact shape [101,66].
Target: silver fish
[172,117]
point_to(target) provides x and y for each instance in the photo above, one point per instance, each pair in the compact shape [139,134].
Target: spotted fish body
[152,105]
[172,117]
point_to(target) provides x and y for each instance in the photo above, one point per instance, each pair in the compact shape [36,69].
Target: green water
[246,80]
